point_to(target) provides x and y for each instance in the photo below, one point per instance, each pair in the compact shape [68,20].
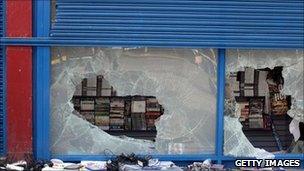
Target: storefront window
[264,97]
[179,84]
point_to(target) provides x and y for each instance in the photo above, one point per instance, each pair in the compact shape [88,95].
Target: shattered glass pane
[183,80]
[134,116]
[292,62]
[236,144]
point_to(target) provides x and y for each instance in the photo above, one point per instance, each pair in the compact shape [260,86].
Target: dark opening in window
[262,108]
[133,116]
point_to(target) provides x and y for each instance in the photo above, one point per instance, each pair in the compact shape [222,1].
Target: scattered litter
[57,164]
[207,163]
[94,165]
[205,166]
[14,167]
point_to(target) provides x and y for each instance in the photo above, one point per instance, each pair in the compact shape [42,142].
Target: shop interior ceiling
[183,81]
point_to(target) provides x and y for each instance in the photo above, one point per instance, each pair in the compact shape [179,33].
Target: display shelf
[87,110]
[138,134]
[136,96]
[130,131]
[256,129]
[128,128]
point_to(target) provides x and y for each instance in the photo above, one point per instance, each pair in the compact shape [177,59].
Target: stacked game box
[89,86]
[244,109]
[153,111]
[138,110]
[103,87]
[87,104]
[102,113]
[117,108]
[279,104]
[256,113]
[87,109]
[127,114]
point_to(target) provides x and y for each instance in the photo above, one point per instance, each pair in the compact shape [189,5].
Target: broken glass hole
[96,101]
[262,108]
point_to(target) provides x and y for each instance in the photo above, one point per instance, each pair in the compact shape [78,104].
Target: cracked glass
[183,81]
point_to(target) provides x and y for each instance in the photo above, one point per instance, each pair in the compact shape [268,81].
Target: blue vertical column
[41,81]
[220,104]
[3,130]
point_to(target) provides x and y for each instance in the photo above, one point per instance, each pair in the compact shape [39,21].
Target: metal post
[41,84]
[220,104]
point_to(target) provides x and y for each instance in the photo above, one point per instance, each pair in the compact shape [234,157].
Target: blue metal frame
[4,126]
[220,103]
[218,156]
[41,88]
[41,82]
[105,42]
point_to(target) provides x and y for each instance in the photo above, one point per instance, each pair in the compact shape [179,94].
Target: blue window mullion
[3,131]
[41,82]
[220,104]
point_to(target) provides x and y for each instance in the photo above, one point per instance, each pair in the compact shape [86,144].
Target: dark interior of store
[263,108]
